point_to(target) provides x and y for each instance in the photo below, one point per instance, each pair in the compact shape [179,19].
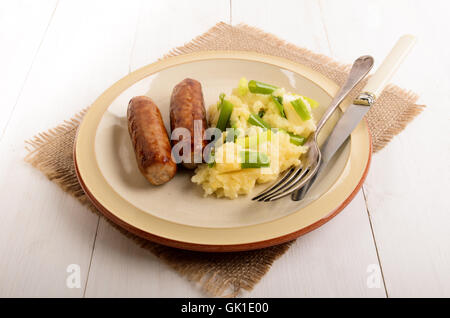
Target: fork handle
[361,66]
[389,66]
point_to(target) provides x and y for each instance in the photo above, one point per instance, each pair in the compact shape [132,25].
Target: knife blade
[341,132]
[361,105]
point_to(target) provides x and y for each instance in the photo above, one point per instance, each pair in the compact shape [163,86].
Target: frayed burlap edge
[217,274]
[197,44]
[380,138]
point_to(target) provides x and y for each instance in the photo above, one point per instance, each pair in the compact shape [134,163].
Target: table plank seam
[98,219]
[134,37]
[92,256]
[322,16]
[231,12]
[322,19]
[28,72]
[374,241]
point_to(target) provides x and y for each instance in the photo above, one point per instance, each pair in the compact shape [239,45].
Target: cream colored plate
[177,213]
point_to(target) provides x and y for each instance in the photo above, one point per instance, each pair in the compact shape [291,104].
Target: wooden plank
[296,21]
[20,38]
[119,267]
[404,189]
[336,260]
[164,25]
[44,230]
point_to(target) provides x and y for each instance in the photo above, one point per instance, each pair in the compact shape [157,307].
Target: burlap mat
[225,274]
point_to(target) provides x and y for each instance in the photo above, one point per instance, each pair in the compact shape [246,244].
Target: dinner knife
[361,105]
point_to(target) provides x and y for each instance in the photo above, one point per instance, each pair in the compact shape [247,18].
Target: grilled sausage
[150,141]
[186,107]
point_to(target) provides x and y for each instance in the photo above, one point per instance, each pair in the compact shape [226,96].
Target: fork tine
[287,185]
[283,184]
[295,186]
[276,185]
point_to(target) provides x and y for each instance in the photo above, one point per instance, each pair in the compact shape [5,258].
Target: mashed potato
[228,176]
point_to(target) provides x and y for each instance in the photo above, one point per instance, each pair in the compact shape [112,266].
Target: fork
[296,177]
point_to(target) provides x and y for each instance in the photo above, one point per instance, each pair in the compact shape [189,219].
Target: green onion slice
[301,109]
[256,87]
[226,108]
[278,100]
[255,120]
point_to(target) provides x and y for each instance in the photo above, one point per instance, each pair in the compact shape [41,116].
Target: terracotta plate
[177,213]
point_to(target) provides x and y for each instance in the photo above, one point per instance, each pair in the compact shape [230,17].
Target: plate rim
[130,79]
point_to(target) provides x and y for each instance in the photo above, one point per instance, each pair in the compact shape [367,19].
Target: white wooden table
[56,57]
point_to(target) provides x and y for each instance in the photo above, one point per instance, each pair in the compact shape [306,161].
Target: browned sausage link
[150,141]
[187,106]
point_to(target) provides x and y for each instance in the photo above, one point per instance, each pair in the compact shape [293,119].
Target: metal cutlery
[361,105]
[295,177]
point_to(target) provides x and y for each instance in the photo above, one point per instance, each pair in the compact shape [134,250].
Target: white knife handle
[386,70]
